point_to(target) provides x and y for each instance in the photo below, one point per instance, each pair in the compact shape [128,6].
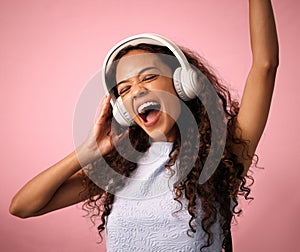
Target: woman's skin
[60,185]
[142,78]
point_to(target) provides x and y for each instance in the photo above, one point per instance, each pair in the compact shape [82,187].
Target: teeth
[142,109]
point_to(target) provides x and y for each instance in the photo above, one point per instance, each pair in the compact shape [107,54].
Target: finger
[105,111]
[103,121]
[103,128]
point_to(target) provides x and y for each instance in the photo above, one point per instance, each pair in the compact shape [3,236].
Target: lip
[142,101]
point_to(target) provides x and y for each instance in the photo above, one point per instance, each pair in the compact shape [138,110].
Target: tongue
[151,115]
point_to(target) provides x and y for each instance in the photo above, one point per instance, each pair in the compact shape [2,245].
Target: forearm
[264,42]
[61,185]
[38,192]
[258,91]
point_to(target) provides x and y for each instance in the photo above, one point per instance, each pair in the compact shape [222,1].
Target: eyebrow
[139,73]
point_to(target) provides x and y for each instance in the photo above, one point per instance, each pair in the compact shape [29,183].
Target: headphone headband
[147,38]
[184,77]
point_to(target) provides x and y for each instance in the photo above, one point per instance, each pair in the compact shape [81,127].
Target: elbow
[272,65]
[16,210]
[269,65]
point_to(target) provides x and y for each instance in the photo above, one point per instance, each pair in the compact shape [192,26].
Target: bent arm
[61,184]
[258,91]
[57,187]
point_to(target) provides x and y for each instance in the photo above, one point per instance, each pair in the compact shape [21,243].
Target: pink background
[50,49]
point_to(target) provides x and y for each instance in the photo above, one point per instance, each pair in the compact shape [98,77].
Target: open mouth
[148,111]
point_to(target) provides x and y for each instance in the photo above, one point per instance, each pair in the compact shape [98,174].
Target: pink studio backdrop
[50,49]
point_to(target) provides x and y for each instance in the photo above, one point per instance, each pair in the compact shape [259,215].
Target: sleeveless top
[145,216]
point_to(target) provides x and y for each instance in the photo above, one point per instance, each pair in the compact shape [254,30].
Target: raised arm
[259,86]
[61,185]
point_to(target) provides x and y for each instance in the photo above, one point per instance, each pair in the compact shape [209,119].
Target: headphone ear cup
[120,113]
[186,83]
[177,80]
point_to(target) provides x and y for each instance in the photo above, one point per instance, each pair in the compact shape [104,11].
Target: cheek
[127,102]
[172,104]
[173,109]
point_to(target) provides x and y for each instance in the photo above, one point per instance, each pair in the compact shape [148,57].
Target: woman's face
[145,85]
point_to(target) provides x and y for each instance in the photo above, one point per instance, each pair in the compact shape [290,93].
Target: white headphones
[184,77]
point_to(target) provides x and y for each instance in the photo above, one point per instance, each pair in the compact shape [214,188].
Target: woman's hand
[101,138]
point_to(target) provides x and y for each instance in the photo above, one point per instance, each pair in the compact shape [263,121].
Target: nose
[139,91]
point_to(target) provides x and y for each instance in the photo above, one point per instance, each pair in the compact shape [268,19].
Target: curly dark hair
[217,194]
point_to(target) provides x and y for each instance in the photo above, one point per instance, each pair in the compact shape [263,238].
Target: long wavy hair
[217,194]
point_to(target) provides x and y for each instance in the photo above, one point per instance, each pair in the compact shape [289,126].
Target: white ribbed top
[149,221]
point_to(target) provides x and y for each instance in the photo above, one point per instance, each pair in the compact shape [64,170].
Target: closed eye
[149,77]
[123,90]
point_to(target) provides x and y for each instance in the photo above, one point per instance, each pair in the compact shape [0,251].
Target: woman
[193,216]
